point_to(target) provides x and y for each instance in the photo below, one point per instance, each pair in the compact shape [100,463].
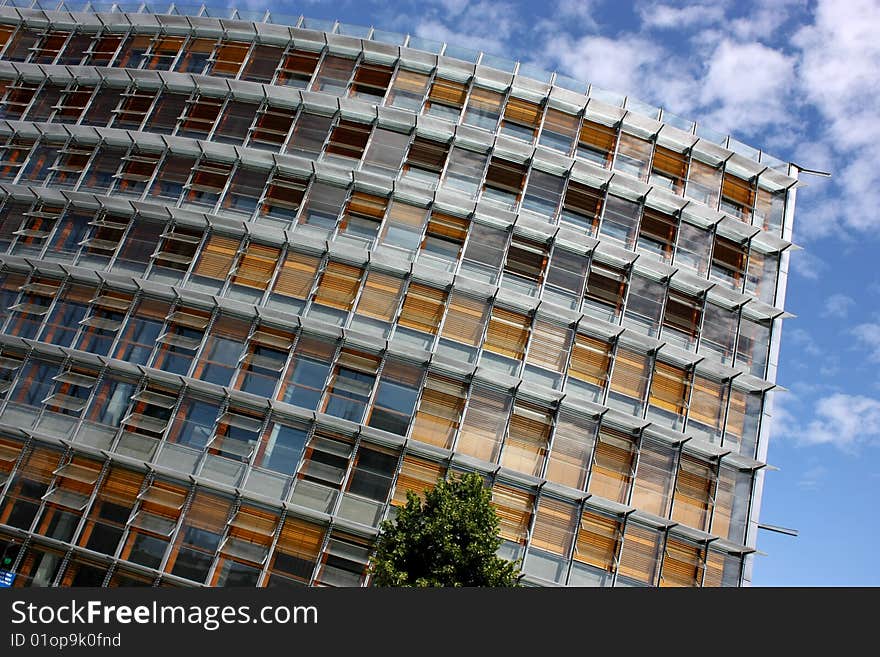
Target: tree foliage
[449,539]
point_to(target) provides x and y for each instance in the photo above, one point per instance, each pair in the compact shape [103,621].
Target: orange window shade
[122,486]
[555,525]
[300,539]
[485,100]
[349,139]
[572,449]
[612,465]
[410,81]
[522,112]
[550,345]
[380,297]
[722,569]
[254,525]
[514,509]
[725,497]
[505,175]
[598,539]
[373,77]
[208,512]
[217,258]
[730,255]
[659,227]
[669,163]
[40,464]
[682,564]
[527,436]
[428,154]
[465,319]
[683,313]
[448,92]
[447,227]
[606,285]
[339,285]
[640,556]
[229,56]
[694,490]
[737,190]
[704,182]
[597,136]
[560,122]
[257,266]
[590,360]
[5,33]
[301,61]
[630,373]
[442,403]
[367,205]
[423,308]
[708,400]
[297,275]
[507,333]
[669,388]
[416,475]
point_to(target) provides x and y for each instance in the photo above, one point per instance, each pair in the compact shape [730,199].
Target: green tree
[449,539]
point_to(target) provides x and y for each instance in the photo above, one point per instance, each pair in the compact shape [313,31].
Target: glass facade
[258,280]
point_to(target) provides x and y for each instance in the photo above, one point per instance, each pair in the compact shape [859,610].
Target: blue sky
[800,80]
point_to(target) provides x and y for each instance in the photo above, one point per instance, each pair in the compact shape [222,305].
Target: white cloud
[845,421]
[808,265]
[802,340]
[487,26]
[747,85]
[764,18]
[868,335]
[838,305]
[664,16]
[813,477]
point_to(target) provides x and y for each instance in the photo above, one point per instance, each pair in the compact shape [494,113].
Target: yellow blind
[297,275]
[640,556]
[423,308]
[416,475]
[590,359]
[465,319]
[217,257]
[514,509]
[507,333]
[555,524]
[669,388]
[257,266]
[439,411]
[597,540]
[380,296]
[339,285]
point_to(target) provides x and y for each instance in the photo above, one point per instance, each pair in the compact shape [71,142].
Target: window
[254,271]
[385,152]
[133,51]
[236,435]
[761,276]
[309,135]
[694,492]
[244,550]
[110,512]
[143,328]
[63,322]
[570,457]
[322,205]
[282,448]
[333,76]
[440,409]
[525,447]
[596,142]
[294,281]
[283,198]
[559,131]
[228,57]
[23,43]
[18,98]
[102,172]
[426,160]
[297,68]
[668,170]
[443,241]
[640,556]
[465,320]
[345,561]
[753,345]
[271,126]
[45,104]
[378,303]
[769,209]
[416,475]
[629,380]
[484,423]
[403,226]
[704,183]
[566,276]
[370,82]
[263,362]
[657,233]
[582,206]
[693,249]
[362,216]
[681,319]
[682,564]
[14,155]
[163,51]
[137,171]
[338,286]
[737,197]
[371,477]
[633,156]
[181,339]
[199,117]
[606,287]
[621,220]
[543,194]
[728,262]
[719,332]
[172,176]
[350,385]
[484,253]
[49,48]
[31,482]
[245,190]
[613,462]
[514,508]
[215,262]
[524,266]
[199,537]
[349,139]
[220,355]
[446,99]
[77,47]
[208,180]
[644,305]
[707,406]
[111,401]
[166,112]
[408,90]
[521,119]
[722,569]
[155,520]
[504,182]
[262,64]
[304,381]
[548,352]
[506,336]
[553,532]
[588,367]
[235,121]
[596,550]
[743,421]
[195,56]
[732,496]
[194,423]
[670,389]
[483,108]
[296,553]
